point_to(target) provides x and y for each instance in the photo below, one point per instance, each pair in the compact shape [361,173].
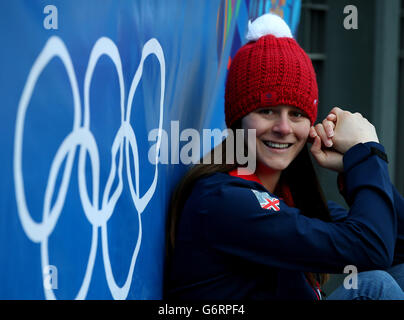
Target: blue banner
[89,89]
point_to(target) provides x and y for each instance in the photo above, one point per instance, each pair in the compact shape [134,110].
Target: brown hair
[306,192]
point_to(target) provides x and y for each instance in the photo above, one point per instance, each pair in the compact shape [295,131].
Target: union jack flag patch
[266,201]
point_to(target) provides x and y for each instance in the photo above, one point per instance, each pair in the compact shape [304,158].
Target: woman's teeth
[277,145]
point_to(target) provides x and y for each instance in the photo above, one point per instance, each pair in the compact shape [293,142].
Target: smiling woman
[270,234]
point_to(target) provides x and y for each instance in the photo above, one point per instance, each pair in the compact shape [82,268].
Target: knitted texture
[270,72]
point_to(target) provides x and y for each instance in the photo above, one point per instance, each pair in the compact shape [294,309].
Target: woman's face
[281,133]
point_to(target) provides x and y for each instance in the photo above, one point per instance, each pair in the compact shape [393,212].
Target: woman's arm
[331,159]
[232,221]
[339,214]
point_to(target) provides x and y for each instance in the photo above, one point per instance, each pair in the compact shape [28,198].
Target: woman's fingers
[316,149]
[312,132]
[336,111]
[351,129]
[320,130]
[332,117]
[329,158]
[329,128]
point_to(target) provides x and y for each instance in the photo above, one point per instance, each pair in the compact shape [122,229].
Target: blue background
[197,38]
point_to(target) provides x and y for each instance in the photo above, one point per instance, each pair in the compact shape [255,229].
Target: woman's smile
[277,145]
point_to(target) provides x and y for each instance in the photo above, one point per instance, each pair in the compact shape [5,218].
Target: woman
[269,234]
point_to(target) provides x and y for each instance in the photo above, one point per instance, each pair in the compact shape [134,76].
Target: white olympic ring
[81,137]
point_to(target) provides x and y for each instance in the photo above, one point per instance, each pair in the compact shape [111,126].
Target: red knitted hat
[270,70]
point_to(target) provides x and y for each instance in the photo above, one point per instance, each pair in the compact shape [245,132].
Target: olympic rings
[81,138]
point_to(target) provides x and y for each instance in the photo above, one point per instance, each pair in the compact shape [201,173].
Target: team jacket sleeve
[234,223]
[338,213]
[399,248]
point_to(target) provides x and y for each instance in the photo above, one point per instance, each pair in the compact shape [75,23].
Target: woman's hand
[340,131]
[321,150]
[350,129]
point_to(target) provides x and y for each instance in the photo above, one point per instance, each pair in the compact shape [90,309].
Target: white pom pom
[268,24]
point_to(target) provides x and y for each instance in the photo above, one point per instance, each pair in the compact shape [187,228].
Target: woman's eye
[266,111]
[297,114]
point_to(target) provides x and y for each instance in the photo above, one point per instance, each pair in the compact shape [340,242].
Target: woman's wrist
[362,151]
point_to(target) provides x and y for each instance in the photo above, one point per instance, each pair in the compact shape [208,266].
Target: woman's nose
[282,125]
